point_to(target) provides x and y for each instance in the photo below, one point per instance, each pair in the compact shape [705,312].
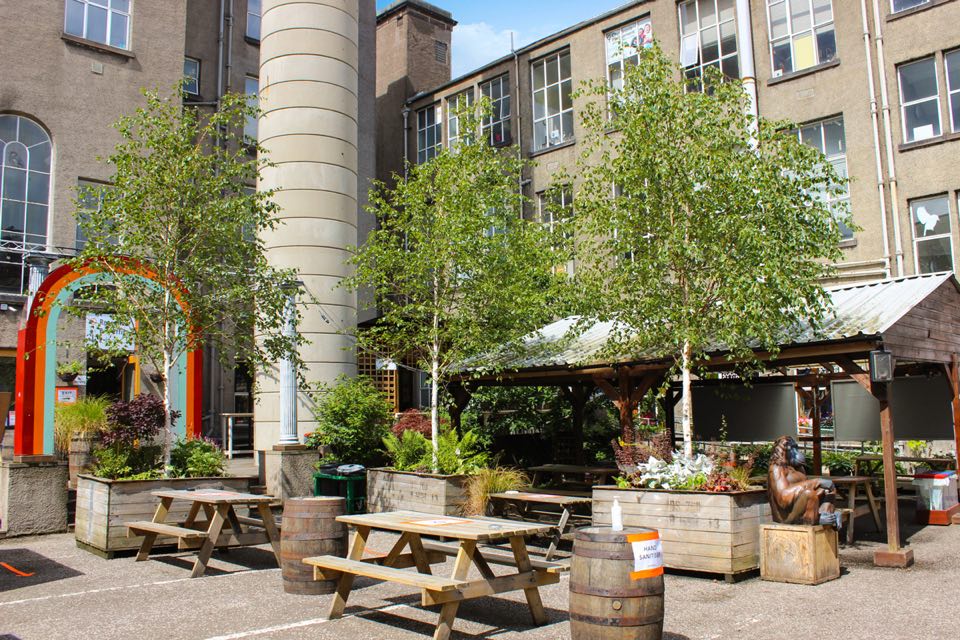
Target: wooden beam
[954,378]
[608,389]
[882,392]
[461,398]
[855,371]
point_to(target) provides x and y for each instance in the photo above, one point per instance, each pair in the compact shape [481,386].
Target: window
[454,133]
[919,100]
[253,19]
[708,38]
[801,34]
[103,21]
[425,389]
[24,196]
[552,101]
[555,210]
[89,198]
[623,48]
[191,75]
[828,138]
[428,133]
[440,51]
[903,5]
[952,62]
[931,234]
[251,87]
[497,125]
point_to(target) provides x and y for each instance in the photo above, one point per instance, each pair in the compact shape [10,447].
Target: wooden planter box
[392,490]
[105,506]
[708,532]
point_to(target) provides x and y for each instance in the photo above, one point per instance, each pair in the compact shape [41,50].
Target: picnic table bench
[526,504]
[446,591]
[218,506]
[561,473]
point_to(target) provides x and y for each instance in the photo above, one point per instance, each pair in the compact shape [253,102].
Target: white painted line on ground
[302,623]
[129,586]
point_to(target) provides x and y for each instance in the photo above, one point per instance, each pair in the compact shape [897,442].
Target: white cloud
[477,44]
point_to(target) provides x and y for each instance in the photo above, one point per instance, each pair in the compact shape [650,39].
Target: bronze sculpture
[794,498]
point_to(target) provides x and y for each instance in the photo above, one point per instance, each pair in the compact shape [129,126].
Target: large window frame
[897,6]
[551,81]
[254,13]
[429,133]
[26,159]
[705,26]
[191,74]
[251,125]
[906,106]
[555,210]
[455,135]
[800,30]
[828,136]
[81,18]
[918,219]
[622,46]
[951,65]
[496,126]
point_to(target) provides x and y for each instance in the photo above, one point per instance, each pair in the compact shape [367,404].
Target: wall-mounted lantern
[882,363]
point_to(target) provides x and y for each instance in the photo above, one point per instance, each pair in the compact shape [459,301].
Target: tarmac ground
[65,592]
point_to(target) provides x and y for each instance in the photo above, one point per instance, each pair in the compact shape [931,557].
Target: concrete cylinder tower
[309,83]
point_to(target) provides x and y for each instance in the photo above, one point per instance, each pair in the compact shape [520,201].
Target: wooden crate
[391,490]
[802,554]
[105,506]
[707,532]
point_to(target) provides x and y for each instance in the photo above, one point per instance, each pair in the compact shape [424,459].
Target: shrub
[352,418]
[86,417]
[407,451]
[840,462]
[122,462]
[414,420]
[458,454]
[137,421]
[196,458]
[487,481]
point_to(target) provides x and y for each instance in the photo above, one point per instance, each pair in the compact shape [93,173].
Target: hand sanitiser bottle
[616,516]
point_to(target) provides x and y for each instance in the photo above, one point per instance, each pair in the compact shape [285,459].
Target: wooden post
[577,395]
[955,385]
[461,398]
[817,440]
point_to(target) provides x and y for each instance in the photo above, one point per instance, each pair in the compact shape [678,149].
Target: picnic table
[526,503]
[218,506]
[450,591]
[849,486]
[560,473]
[872,464]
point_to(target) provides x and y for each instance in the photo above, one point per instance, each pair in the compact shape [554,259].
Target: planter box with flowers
[708,521]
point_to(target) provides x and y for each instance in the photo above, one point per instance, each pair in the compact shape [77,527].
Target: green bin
[353,488]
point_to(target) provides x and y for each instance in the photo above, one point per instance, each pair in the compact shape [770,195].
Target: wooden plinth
[900,559]
[939,517]
[800,554]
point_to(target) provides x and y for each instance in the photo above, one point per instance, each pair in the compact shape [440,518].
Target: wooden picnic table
[525,503]
[559,473]
[849,485]
[872,464]
[218,506]
[446,591]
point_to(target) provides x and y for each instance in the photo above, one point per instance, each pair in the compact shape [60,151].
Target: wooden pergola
[916,318]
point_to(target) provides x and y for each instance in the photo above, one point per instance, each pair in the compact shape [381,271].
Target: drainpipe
[748,71]
[229,47]
[874,114]
[405,112]
[220,53]
[888,139]
[516,109]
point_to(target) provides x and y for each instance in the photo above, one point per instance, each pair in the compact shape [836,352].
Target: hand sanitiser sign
[647,555]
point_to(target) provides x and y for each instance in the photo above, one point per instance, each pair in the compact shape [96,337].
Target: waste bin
[352,487]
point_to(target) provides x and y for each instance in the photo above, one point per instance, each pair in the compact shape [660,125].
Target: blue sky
[484,26]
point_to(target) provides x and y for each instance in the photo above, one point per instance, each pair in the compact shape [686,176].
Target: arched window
[24,196]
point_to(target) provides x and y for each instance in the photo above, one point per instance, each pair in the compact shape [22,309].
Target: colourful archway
[37,357]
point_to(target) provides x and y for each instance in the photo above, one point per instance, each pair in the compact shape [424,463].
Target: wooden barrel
[310,528]
[612,597]
[80,456]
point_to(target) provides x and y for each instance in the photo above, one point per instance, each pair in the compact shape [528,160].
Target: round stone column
[309,83]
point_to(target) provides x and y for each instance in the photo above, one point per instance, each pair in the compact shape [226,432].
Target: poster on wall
[67,395]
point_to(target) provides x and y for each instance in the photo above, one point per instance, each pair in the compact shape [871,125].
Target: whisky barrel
[80,457]
[309,528]
[615,594]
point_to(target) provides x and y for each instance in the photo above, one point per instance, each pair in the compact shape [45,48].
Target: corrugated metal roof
[858,311]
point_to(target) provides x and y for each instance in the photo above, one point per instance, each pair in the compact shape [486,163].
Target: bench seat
[328,567]
[145,526]
[494,556]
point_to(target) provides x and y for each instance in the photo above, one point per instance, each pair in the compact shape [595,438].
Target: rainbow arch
[37,357]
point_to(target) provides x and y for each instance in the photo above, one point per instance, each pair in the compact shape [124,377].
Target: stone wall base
[33,498]
[289,473]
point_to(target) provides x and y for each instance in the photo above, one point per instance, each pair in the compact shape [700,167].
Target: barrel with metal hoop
[616,585]
[310,528]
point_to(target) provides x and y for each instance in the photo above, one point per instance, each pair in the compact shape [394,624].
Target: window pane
[728,38]
[804,54]
[553,100]
[38,187]
[539,104]
[922,121]
[833,137]
[812,136]
[14,183]
[565,66]
[553,130]
[688,18]
[567,119]
[31,133]
[822,11]
[826,44]
[934,255]
[901,5]
[553,71]
[709,46]
[15,155]
[708,13]
[731,67]
[800,15]
[952,60]
[12,220]
[40,157]
[566,91]
[96,24]
[120,5]
[253,26]
[540,134]
[8,128]
[918,80]
[778,21]
[74,22]
[931,217]
[36,223]
[538,71]
[782,57]
[118,31]
[726,9]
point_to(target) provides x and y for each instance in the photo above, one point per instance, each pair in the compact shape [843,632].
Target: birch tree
[702,229]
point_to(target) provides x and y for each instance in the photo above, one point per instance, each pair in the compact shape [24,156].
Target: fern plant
[407,451]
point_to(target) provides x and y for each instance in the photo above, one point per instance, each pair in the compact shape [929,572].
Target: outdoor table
[558,471]
[218,505]
[448,592]
[850,485]
[525,501]
[872,465]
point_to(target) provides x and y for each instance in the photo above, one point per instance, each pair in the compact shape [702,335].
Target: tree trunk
[168,427]
[686,407]
[434,410]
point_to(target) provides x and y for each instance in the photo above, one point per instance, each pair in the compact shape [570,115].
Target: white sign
[647,555]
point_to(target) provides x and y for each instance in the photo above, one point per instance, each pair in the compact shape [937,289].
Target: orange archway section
[36,354]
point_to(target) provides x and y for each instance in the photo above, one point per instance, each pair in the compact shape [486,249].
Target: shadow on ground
[245,558]
[24,568]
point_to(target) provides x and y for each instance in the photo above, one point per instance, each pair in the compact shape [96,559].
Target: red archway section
[31,377]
